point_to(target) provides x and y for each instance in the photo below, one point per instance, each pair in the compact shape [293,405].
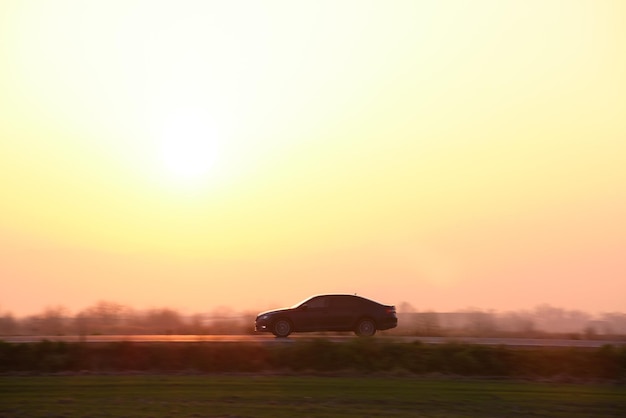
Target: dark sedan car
[329,313]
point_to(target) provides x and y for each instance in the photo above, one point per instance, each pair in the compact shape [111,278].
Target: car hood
[274,311]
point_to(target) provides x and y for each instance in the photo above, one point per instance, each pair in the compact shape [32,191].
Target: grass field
[304,396]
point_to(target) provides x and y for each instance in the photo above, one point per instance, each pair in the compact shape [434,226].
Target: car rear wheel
[365,328]
[281,328]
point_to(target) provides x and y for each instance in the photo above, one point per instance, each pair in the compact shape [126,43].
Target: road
[270,339]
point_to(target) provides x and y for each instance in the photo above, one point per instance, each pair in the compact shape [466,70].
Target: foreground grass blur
[607,363]
[290,396]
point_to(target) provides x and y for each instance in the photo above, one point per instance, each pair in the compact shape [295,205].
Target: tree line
[110,318]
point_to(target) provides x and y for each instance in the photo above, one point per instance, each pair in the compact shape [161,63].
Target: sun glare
[188,146]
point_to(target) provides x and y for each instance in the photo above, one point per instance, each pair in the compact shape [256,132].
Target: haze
[248,154]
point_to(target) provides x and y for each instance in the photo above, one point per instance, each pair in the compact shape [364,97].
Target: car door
[341,313]
[312,315]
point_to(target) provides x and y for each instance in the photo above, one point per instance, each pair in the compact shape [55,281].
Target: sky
[248,154]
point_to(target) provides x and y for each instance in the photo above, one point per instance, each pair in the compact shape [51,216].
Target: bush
[358,355]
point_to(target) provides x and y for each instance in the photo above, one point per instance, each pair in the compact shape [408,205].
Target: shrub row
[362,355]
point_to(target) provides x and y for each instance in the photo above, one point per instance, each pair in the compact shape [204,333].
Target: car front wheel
[365,328]
[281,328]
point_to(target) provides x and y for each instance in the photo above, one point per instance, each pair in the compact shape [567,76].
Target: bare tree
[53,320]
[163,321]
[8,324]
[103,318]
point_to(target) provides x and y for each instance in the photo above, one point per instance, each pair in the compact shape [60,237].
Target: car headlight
[263,317]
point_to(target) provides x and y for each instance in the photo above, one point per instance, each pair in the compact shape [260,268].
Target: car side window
[317,303]
[344,302]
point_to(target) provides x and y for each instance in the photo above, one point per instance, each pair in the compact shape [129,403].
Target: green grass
[304,396]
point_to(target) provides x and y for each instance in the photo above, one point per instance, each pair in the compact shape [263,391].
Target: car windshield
[302,302]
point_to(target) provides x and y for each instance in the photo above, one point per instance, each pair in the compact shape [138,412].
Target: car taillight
[391,310]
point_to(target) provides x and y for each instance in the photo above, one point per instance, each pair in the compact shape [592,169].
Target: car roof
[355,296]
[341,294]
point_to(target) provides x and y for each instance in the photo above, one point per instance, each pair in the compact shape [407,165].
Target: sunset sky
[196,154]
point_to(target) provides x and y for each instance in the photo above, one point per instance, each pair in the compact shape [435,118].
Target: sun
[188,145]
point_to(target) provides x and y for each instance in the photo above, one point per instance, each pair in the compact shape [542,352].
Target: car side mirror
[304,307]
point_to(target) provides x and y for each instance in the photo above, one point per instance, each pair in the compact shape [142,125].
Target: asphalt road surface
[270,339]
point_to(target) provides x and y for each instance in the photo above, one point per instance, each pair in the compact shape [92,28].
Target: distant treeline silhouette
[110,318]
